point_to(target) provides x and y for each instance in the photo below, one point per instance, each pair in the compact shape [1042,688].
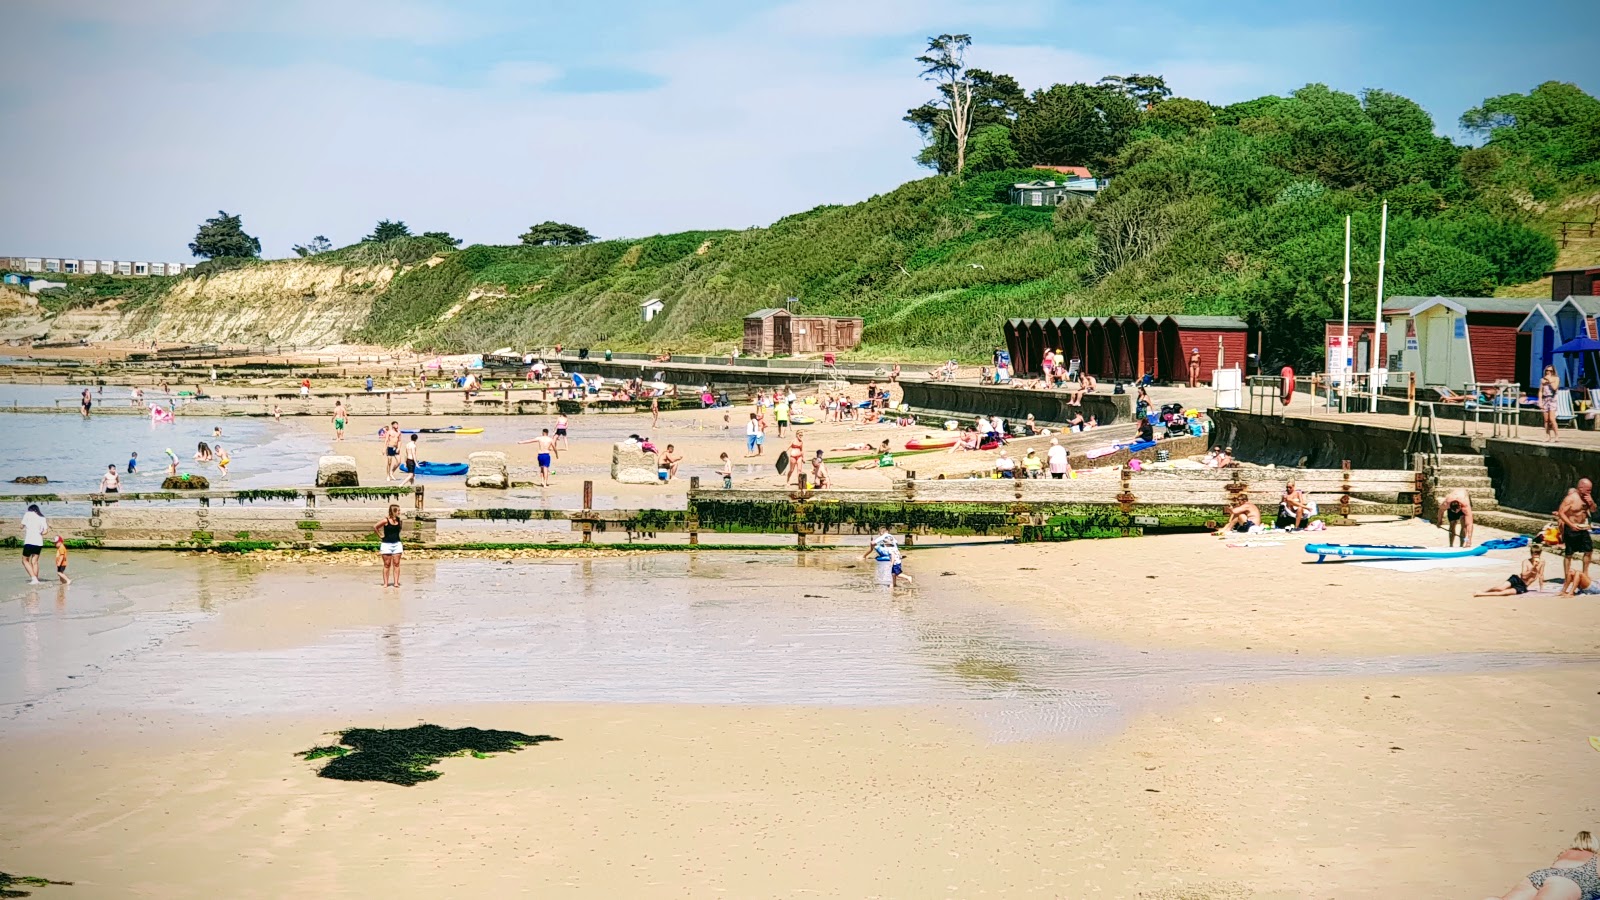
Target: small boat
[929,442]
[441,468]
[1392,551]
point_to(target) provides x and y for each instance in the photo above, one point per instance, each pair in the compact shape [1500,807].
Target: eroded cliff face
[284,302]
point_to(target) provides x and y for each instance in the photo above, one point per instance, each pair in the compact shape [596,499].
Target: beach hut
[1453,341]
[1128,347]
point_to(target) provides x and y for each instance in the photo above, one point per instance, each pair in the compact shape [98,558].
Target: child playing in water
[1531,577]
[61,560]
[172,462]
[133,463]
[222,461]
[727,473]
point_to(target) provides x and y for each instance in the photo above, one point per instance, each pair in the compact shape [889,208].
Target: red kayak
[930,443]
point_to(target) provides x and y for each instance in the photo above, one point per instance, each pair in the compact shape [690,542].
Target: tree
[992,150]
[387,231]
[945,64]
[1146,90]
[318,244]
[1556,123]
[1179,115]
[223,238]
[996,98]
[1075,125]
[556,234]
[443,237]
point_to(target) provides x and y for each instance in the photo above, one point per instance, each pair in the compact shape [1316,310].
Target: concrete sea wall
[1015,404]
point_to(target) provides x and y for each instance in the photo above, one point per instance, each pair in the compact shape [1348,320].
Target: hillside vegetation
[1237,209]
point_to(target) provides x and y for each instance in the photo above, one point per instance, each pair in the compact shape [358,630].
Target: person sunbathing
[1573,875]
[1531,578]
[1243,517]
[1086,385]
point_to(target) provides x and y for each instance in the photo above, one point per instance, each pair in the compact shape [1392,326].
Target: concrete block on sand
[487,469]
[630,465]
[337,471]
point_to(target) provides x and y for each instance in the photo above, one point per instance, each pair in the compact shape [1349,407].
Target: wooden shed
[772,332]
[1455,341]
[1579,282]
[1128,347]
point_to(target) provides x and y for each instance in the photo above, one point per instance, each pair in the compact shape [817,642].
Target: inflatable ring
[1287,392]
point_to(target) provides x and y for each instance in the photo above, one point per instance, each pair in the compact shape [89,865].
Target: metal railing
[1502,399]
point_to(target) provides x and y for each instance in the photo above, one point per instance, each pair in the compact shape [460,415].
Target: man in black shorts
[1573,514]
[1455,512]
[391,450]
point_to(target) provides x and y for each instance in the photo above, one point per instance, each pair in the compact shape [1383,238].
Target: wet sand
[771,724]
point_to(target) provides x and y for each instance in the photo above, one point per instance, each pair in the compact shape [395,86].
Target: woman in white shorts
[389,548]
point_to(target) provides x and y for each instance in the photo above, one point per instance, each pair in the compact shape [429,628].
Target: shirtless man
[1573,514]
[410,465]
[391,450]
[1456,510]
[1292,509]
[546,447]
[1242,517]
[1086,385]
[669,461]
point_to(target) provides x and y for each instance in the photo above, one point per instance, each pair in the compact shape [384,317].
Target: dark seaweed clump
[9,884]
[405,756]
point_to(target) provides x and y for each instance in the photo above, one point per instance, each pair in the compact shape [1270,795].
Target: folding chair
[1564,411]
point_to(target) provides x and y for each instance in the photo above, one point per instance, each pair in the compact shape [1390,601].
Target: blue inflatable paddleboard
[436,468]
[1391,551]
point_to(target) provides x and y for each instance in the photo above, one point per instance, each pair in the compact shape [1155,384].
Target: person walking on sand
[1194,367]
[561,435]
[410,464]
[61,560]
[338,420]
[797,457]
[1573,514]
[546,448]
[1455,511]
[34,526]
[391,450]
[780,413]
[655,413]
[752,434]
[389,547]
[726,472]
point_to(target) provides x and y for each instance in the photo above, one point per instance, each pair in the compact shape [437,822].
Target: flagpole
[1344,340]
[1377,312]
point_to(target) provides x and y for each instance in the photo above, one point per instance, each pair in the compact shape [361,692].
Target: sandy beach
[773,724]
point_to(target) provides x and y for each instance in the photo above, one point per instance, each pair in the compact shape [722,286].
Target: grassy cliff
[1238,209]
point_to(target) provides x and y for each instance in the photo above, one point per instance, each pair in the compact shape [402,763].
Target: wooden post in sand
[588,504]
[799,528]
[1411,393]
[692,521]
[418,498]
[1344,496]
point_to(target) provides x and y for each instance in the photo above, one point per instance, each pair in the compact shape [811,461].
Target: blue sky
[129,122]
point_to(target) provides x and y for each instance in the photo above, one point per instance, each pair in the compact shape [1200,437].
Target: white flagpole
[1344,340]
[1377,314]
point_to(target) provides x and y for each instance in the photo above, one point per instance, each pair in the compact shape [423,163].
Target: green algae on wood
[405,756]
[10,885]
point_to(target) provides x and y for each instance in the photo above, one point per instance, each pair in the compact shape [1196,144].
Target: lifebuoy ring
[1288,385]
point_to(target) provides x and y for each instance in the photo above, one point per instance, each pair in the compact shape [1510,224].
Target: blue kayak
[439,468]
[1391,551]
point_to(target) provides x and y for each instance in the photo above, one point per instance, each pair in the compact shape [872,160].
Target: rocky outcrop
[30,479]
[630,465]
[294,302]
[337,471]
[185,483]
[487,469]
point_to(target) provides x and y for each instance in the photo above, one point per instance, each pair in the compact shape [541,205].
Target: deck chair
[1072,369]
[1446,395]
[1564,411]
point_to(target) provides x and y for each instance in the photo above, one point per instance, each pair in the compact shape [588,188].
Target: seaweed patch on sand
[9,884]
[405,756]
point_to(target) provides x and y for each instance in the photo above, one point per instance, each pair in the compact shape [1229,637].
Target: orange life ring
[1288,385]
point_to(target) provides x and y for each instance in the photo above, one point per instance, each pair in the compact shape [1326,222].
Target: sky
[130,122]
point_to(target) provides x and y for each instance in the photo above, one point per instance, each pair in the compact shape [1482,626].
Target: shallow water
[229,637]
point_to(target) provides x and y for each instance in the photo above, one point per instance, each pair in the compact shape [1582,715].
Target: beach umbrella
[1585,349]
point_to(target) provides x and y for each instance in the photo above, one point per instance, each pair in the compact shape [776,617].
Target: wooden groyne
[1118,504]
